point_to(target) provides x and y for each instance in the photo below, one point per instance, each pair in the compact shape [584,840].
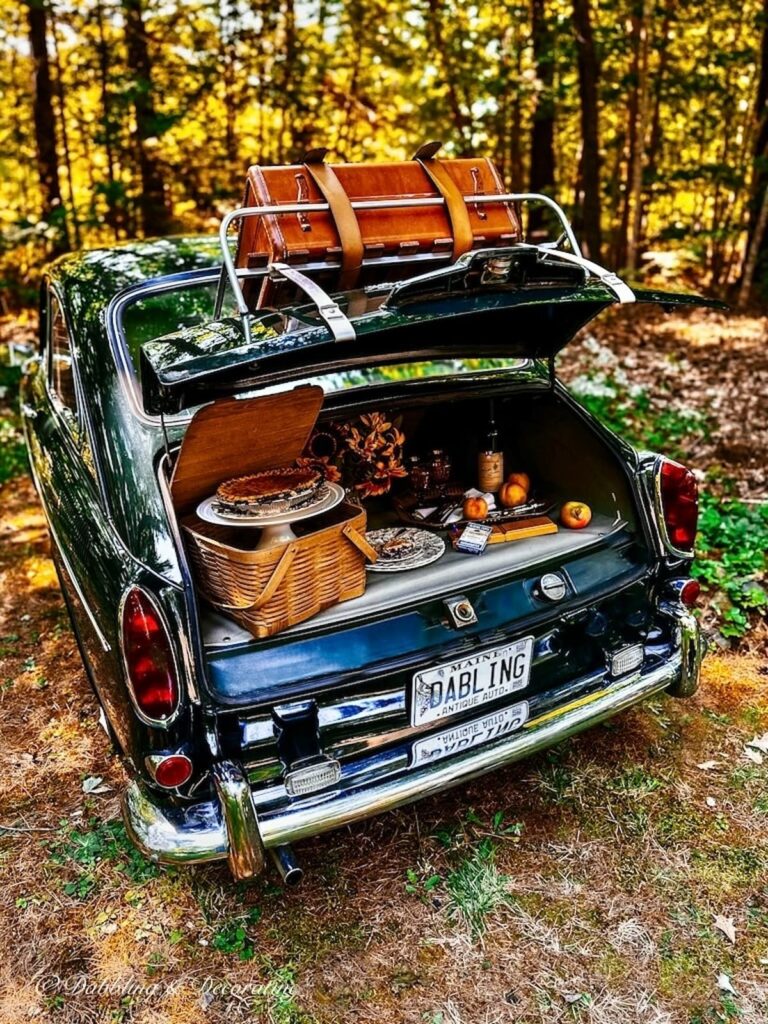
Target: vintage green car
[236,745]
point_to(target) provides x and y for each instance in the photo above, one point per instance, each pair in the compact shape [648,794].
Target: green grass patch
[275,999]
[476,888]
[233,937]
[83,851]
[731,559]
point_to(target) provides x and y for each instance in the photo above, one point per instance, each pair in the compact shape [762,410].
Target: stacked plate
[405,547]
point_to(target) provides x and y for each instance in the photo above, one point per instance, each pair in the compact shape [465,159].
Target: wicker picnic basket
[268,591]
[265,591]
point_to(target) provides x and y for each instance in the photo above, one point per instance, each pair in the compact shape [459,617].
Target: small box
[473,538]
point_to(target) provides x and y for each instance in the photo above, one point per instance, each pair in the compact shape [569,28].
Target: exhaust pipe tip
[290,870]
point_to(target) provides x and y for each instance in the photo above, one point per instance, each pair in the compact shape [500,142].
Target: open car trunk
[402,616]
[400,620]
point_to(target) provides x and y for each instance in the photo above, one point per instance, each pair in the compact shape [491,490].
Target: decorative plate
[329,496]
[404,547]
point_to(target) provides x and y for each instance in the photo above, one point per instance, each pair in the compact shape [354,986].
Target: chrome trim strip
[335,320]
[229,270]
[183,834]
[187,648]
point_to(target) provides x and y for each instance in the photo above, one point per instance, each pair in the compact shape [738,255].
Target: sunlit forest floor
[621,877]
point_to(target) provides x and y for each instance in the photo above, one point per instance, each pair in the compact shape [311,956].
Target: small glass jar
[440,468]
[419,475]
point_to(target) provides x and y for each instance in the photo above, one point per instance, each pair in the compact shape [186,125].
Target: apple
[575,515]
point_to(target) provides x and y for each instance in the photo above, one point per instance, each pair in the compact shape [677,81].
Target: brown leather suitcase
[364,246]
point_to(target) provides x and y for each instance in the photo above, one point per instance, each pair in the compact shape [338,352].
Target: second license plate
[470,682]
[470,734]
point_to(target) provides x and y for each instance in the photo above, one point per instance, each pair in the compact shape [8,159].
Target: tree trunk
[516,131]
[64,129]
[543,132]
[635,189]
[45,125]
[461,121]
[228,56]
[753,252]
[757,239]
[589,171]
[155,213]
[656,133]
[115,217]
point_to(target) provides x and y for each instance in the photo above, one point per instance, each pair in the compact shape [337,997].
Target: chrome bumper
[230,828]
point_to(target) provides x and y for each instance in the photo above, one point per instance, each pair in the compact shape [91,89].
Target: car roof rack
[340,326]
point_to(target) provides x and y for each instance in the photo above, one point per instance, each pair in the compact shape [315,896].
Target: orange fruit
[575,515]
[522,479]
[512,494]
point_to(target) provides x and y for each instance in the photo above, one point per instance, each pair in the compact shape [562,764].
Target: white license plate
[470,682]
[470,734]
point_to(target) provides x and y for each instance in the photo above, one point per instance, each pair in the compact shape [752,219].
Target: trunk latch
[460,611]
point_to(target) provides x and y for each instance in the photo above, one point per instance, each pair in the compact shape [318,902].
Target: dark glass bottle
[490,458]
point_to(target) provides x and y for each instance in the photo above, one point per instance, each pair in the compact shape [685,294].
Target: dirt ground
[621,877]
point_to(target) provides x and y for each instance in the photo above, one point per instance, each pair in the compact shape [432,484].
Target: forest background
[646,119]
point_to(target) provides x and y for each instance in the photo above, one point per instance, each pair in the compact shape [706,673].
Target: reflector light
[313,777]
[679,498]
[689,594]
[149,659]
[173,771]
[626,660]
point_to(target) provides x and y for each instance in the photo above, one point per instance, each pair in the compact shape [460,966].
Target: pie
[270,493]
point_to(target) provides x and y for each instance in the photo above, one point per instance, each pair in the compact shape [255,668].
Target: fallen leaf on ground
[760,743]
[724,984]
[94,784]
[725,925]
[711,802]
[707,766]
[753,755]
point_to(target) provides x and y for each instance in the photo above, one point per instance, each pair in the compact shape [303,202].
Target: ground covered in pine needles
[621,877]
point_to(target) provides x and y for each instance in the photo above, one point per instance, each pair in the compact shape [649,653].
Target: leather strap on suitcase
[343,215]
[454,200]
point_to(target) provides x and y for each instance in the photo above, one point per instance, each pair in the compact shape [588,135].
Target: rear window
[157,313]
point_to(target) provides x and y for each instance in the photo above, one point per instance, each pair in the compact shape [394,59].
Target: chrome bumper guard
[229,828]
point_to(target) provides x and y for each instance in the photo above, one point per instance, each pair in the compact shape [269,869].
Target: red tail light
[173,771]
[149,659]
[679,499]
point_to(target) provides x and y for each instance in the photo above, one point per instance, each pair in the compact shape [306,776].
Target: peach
[475,508]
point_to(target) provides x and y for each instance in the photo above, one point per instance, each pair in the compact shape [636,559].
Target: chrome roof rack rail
[329,311]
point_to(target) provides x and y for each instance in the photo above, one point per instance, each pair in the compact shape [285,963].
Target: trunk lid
[464,310]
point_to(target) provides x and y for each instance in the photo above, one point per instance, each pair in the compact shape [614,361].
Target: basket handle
[362,545]
[274,581]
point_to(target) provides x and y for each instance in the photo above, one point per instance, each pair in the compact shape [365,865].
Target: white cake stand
[275,529]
